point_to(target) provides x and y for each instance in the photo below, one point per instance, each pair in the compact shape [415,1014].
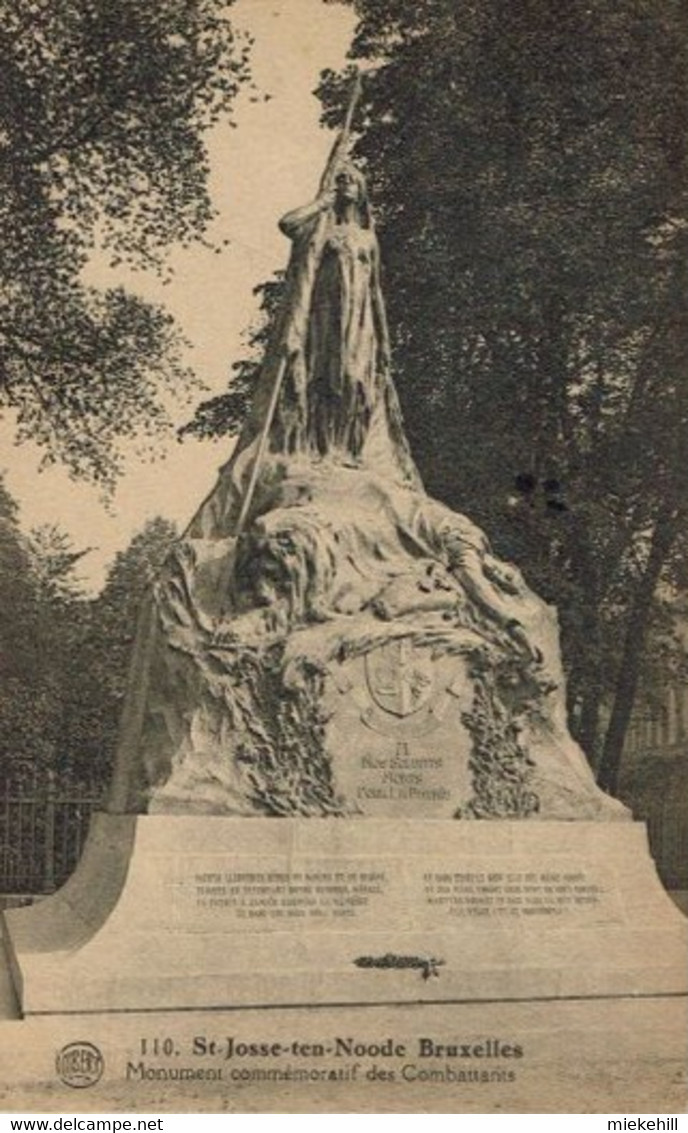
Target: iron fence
[43,825]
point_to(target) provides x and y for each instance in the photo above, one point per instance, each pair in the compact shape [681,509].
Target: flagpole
[332,161]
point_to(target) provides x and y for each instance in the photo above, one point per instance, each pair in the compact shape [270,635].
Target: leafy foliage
[64,657]
[103,111]
[40,619]
[102,656]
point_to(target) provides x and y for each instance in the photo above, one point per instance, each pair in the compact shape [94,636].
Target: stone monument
[330,648]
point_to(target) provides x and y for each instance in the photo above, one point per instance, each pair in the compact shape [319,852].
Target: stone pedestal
[188,912]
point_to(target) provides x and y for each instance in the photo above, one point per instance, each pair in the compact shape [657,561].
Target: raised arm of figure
[292,222]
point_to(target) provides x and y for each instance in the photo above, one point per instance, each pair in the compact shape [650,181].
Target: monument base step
[180,912]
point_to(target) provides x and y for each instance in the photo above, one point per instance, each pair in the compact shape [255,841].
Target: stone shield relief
[396,739]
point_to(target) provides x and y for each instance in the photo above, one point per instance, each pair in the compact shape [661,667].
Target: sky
[270,163]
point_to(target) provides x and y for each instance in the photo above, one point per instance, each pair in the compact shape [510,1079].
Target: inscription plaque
[541,896]
[284,896]
[409,890]
[400,747]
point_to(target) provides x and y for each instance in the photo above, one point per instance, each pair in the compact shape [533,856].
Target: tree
[41,620]
[103,113]
[101,659]
[64,657]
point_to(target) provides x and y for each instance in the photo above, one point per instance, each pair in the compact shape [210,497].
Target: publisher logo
[79,1065]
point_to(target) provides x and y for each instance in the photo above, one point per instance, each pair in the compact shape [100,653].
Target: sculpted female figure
[346,343]
[325,389]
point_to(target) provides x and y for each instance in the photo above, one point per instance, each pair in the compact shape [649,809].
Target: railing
[43,826]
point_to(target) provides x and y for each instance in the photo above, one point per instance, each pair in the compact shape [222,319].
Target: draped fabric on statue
[343,350]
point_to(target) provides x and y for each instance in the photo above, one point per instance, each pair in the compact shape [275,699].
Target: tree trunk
[588,665]
[589,723]
[632,653]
